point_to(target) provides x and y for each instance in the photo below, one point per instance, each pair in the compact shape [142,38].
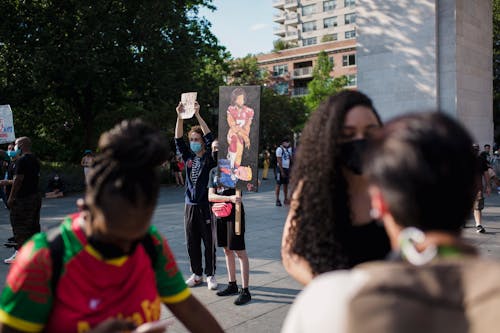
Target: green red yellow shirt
[90,288]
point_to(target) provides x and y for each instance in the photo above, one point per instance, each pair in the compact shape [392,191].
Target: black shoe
[231,289]
[12,239]
[480,229]
[244,297]
[278,203]
[10,244]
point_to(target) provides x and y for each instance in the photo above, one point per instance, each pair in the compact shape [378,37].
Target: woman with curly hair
[329,225]
[105,269]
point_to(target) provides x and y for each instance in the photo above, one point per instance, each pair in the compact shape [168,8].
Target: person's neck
[359,198]
[200,153]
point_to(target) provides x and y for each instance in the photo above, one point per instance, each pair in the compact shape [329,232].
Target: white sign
[7,134]
[188,100]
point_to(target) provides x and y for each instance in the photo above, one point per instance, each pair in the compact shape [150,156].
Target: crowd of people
[374,224]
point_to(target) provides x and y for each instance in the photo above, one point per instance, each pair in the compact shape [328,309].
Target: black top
[29,167]
[366,243]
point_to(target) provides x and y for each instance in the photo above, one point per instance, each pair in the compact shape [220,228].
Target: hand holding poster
[188,101]
[6,125]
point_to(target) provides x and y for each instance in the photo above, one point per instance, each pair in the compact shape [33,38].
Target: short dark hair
[426,167]
[487,145]
[237,92]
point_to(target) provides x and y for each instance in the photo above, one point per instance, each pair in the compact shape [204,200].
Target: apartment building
[309,27]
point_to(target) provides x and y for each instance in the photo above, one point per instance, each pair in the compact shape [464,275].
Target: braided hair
[126,165]
[323,214]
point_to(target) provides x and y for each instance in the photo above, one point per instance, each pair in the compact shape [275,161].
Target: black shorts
[282,179]
[226,236]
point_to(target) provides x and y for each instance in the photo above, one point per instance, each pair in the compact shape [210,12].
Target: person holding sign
[224,201]
[197,217]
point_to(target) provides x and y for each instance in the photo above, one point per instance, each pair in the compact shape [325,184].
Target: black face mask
[214,155]
[110,251]
[351,154]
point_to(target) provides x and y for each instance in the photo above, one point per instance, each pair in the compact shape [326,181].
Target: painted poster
[7,134]
[239,116]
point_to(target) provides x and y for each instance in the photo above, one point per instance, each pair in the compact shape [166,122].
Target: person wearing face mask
[24,199]
[329,225]
[283,162]
[55,187]
[197,217]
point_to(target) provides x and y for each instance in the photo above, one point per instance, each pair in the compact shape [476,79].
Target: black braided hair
[126,164]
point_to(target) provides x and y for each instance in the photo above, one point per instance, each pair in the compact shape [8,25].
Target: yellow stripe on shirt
[176,298]
[19,324]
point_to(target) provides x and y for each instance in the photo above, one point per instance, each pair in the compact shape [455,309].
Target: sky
[243,26]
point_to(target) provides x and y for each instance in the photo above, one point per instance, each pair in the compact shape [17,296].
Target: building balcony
[278,3]
[300,91]
[289,4]
[292,19]
[279,31]
[291,36]
[302,72]
[279,18]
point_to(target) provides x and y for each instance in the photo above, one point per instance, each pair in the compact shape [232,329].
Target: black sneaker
[480,229]
[12,239]
[244,297]
[231,289]
[278,203]
[10,244]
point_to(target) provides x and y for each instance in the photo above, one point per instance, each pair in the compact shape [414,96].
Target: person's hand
[196,108]
[10,202]
[113,325]
[235,199]
[179,109]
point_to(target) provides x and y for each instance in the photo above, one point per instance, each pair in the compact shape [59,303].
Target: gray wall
[418,55]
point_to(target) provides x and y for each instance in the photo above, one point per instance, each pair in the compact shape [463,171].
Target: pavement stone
[273,291]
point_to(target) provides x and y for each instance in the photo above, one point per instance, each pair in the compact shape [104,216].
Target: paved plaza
[272,289]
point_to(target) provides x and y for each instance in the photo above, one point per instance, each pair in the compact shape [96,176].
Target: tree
[280,45]
[322,85]
[246,71]
[70,67]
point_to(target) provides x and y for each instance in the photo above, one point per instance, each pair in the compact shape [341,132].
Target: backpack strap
[56,247]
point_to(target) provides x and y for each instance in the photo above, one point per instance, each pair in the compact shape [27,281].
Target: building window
[310,41]
[350,34]
[332,62]
[350,18]
[329,5]
[329,38]
[330,22]
[349,3]
[352,80]
[281,88]
[349,60]
[309,26]
[280,70]
[308,10]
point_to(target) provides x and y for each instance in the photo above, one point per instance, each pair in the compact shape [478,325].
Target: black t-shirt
[29,167]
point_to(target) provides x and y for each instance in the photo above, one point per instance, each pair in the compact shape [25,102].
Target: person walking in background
[483,187]
[111,269]
[266,163]
[223,207]
[329,224]
[283,162]
[197,217]
[422,173]
[24,199]
[87,162]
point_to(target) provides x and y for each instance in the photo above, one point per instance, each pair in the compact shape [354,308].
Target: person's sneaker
[11,259]
[278,203]
[244,297]
[10,244]
[480,229]
[11,239]
[194,280]
[212,282]
[231,289]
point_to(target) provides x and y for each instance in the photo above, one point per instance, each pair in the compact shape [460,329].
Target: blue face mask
[13,153]
[195,147]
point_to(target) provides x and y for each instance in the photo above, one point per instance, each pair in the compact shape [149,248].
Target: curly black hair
[323,214]
[126,165]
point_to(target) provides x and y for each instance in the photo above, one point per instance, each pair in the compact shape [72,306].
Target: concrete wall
[418,55]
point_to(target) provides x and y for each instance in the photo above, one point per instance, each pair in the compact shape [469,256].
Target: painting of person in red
[239,119]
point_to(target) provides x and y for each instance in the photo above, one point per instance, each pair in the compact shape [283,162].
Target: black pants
[25,218]
[199,227]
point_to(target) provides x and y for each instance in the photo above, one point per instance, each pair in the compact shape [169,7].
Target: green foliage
[327,38]
[322,85]
[70,69]
[246,71]
[280,45]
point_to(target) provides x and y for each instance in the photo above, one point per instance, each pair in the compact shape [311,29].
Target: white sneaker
[194,280]
[11,259]
[212,282]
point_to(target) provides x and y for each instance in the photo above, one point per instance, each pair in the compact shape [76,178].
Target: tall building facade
[309,27]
